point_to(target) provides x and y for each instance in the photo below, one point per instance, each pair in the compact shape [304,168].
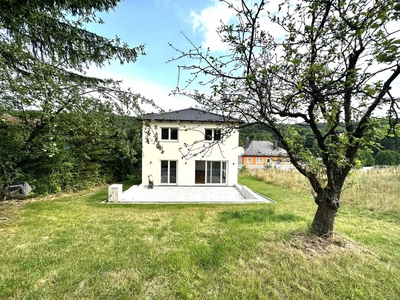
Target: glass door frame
[213,170]
[171,175]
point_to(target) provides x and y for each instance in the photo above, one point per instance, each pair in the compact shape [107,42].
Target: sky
[156,23]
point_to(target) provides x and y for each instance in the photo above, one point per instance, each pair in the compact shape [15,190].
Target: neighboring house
[189,147]
[261,154]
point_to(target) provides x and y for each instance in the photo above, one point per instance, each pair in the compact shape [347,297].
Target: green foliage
[366,158]
[390,142]
[387,158]
[255,132]
[10,149]
[86,149]
[57,121]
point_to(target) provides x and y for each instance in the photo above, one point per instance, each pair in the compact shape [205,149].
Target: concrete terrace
[238,194]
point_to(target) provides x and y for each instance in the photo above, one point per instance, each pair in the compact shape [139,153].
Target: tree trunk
[324,218]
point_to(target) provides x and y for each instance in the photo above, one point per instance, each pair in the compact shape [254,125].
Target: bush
[397,155]
[386,157]
[366,158]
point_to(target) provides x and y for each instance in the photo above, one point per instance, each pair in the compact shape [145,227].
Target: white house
[190,147]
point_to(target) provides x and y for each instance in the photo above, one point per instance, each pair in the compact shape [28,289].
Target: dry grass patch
[377,189]
[313,246]
[9,209]
[291,179]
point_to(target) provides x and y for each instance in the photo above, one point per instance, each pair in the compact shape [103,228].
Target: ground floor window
[168,172]
[210,172]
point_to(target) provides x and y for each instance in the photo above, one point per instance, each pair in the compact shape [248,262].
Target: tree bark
[324,218]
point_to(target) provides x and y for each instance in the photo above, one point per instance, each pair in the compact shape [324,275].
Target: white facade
[192,154]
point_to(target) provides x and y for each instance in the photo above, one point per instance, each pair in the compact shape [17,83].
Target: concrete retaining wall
[246,192]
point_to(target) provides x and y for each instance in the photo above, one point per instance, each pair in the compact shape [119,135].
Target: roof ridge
[191,114]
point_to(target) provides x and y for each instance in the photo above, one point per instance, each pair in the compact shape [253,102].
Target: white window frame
[249,160]
[170,134]
[259,160]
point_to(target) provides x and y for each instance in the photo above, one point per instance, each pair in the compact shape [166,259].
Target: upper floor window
[169,134]
[212,134]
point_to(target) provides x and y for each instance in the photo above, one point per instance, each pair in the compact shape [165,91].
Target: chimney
[275,144]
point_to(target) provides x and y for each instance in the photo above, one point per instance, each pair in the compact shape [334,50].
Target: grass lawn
[73,247]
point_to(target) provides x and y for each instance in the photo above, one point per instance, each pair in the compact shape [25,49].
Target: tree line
[385,150]
[78,150]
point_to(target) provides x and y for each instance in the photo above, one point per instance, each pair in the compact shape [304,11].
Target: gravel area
[188,194]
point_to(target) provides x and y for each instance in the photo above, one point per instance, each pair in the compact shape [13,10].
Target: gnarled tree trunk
[328,205]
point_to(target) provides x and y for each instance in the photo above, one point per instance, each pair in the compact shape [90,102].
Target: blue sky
[155,23]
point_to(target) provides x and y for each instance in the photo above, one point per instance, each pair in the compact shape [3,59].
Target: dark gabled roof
[191,115]
[264,148]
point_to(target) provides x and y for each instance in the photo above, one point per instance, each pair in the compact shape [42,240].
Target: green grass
[73,247]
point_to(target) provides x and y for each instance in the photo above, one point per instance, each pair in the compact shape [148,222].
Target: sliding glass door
[210,172]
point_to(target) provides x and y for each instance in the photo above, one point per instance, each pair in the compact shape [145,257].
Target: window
[212,134]
[259,160]
[268,162]
[168,171]
[169,134]
[287,160]
[210,172]
[278,161]
[249,160]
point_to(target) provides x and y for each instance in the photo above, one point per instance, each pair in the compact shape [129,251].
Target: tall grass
[376,189]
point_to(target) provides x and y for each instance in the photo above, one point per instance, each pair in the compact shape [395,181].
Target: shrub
[397,156]
[366,158]
[386,157]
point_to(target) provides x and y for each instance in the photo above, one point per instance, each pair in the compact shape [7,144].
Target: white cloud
[209,19]
[158,93]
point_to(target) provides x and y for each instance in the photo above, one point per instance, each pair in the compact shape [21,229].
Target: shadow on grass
[257,216]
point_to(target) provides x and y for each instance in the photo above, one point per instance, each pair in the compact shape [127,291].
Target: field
[73,247]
